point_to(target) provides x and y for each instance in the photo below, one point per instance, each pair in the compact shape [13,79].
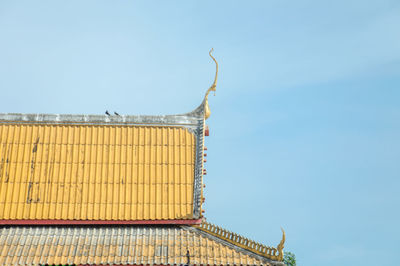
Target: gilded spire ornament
[213,88]
[281,245]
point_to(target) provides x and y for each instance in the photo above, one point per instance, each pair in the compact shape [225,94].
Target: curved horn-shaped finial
[281,245]
[212,88]
[214,85]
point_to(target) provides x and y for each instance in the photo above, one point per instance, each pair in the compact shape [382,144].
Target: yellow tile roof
[98,171]
[134,245]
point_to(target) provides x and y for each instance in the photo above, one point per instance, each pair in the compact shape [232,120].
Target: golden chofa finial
[213,88]
[281,245]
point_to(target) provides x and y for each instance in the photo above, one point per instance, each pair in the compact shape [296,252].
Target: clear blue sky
[305,124]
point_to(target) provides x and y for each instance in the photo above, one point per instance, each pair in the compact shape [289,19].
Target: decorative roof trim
[204,109]
[245,243]
[213,88]
[198,171]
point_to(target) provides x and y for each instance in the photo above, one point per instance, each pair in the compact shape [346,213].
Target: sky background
[305,124]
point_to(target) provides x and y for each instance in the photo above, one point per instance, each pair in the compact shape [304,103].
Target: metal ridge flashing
[190,119]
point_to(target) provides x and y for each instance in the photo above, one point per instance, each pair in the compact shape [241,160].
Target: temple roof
[121,245]
[136,180]
[104,168]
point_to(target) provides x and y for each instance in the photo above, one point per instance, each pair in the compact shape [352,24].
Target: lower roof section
[120,245]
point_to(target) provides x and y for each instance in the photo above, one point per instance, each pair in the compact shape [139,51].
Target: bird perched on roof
[188,257]
[107,113]
[116,113]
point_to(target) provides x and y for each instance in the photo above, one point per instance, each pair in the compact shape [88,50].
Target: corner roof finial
[213,87]
[281,245]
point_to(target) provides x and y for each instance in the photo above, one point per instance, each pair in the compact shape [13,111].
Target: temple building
[112,190]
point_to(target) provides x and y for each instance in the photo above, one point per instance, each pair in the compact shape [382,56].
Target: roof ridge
[189,119]
[243,242]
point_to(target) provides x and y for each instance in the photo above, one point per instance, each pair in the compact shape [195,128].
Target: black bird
[188,257]
[116,113]
[107,113]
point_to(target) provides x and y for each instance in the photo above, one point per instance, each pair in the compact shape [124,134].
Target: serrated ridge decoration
[243,242]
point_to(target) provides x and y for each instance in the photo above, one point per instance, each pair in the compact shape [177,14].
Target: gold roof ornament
[240,241]
[213,87]
[281,245]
